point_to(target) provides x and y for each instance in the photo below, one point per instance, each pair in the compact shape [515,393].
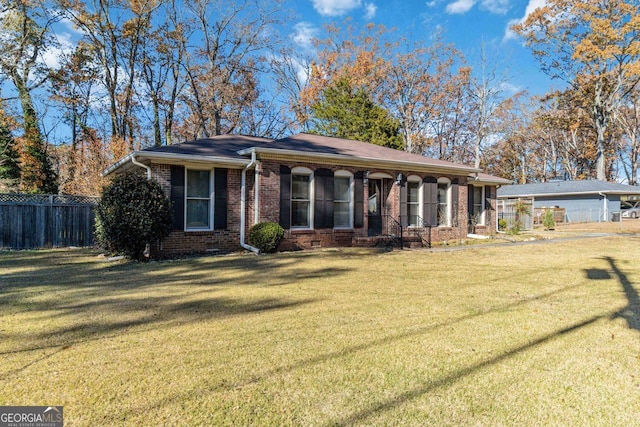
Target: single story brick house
[324,191]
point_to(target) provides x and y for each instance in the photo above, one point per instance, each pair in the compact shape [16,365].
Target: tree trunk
[600,120]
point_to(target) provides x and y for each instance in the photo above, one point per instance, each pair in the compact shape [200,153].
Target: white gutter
[243,204]
[142,165]
[177,159]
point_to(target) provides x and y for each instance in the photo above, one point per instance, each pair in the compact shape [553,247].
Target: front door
[375,207]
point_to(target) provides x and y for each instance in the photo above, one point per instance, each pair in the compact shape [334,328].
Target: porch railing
[401,229]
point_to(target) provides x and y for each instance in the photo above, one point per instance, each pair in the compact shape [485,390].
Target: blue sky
[468,24]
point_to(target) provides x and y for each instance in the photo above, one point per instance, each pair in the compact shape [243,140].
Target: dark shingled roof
[236,150]
[318,144]
[217,146]
[556,188]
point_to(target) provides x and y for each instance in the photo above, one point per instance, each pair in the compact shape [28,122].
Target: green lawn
[536,334]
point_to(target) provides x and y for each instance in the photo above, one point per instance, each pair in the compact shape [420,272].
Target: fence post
[49,220]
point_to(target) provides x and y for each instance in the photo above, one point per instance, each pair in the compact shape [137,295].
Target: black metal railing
[402,229]
[416,226]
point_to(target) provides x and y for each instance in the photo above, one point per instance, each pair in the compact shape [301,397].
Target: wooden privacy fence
[32,221]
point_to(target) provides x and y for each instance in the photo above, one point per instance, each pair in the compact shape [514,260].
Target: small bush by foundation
[266,236]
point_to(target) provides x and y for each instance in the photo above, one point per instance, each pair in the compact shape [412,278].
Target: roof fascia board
[344,160]
[573,193]
[488,181]
[171,158]
[117,165]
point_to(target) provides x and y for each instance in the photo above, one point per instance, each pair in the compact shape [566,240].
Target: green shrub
[266,236]
[547,220]
[502,224]
[133,212]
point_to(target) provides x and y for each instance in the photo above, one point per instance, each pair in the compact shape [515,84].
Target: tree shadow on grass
[447,380]
[74,276]
[68,269]
[412,394]
[630,313]
[157,312]
[102,301]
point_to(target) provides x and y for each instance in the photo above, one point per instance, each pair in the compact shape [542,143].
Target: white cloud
[510,89]
[342,7]
[335,7]
[54,55]
[531,7]
[460,6]
[303,34]
[370,11]
[69,27]
[498,7]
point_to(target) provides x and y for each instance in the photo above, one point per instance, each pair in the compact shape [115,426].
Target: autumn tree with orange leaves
[422,86]
[594,46]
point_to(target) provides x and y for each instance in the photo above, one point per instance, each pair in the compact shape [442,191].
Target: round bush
[133,212]
[266,236]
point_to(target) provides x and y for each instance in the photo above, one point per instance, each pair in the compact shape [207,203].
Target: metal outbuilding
[582,201]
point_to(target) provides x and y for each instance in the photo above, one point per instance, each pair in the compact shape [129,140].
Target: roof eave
[572,193]
[358,161]
[172,158]
[488,180]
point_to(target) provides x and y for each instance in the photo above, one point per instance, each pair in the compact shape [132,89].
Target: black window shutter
[220,201]
[358,200]
[285,197]
[323,198]
[404,219]
[430,207]
[177,196]
[454,202]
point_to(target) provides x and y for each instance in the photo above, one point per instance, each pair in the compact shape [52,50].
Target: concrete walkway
[500,241]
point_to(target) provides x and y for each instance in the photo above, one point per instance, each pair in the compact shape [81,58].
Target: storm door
[375,206]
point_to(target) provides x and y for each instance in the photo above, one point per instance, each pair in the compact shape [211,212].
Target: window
[342,200]
[198,200]
[301,198]
[477,208]
[444,208]
[413,202]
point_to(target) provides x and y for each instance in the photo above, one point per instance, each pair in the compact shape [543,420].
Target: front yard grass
[539,334]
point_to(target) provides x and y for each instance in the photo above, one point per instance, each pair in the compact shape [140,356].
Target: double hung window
[301,199]
[477,209]
[342,200]
[198,200]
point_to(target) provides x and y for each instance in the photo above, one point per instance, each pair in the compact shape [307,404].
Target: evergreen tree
[38,174]
[347,112]
[9,157]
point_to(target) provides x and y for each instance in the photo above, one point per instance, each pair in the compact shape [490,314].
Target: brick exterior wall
[215,241]
[227,240]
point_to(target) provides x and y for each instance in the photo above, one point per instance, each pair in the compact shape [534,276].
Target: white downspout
[137,163]
[256,196]
[604,206]
[243,204]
